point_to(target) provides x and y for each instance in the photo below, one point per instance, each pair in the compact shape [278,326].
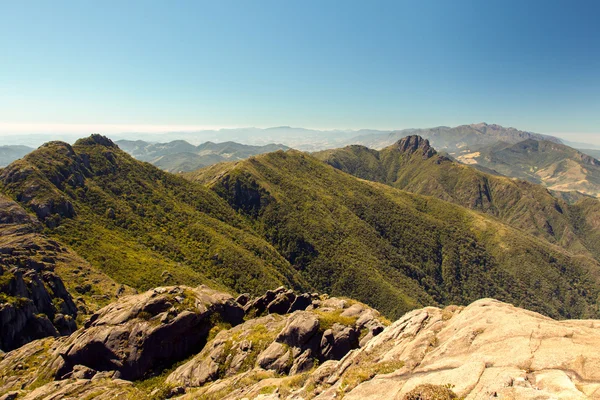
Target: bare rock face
[101,388]
[144,332]
[416,144]
[284,344]
[486,349]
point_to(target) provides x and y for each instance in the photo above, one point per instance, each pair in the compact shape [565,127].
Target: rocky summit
[198,343]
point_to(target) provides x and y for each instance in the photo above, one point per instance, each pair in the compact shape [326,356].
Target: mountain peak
[96,138]
[415,144]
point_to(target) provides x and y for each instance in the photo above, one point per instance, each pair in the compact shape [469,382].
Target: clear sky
[534,65]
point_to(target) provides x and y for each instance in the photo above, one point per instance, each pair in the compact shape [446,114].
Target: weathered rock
[281,303]
[82,372]
[276,357]
[301,327]
[285,344]
[143,332]
[101,389]
[242,343]
[304,362]
[487,348]
[243,299]
[338,341]
[301,302]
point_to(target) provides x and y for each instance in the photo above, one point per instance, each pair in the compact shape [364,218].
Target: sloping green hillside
[392,249]
[413,165]
[141,226]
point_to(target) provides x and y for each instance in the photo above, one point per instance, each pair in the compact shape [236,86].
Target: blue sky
[534,65]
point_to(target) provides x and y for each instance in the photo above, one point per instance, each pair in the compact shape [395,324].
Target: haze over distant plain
[388,65]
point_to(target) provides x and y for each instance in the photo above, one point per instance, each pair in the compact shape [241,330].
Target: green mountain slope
[413,165]
[392,249]
[554,165]
[141,226]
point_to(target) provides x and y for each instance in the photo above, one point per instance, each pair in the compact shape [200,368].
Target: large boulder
[300,328]
[281,303]
[145,332]
[338,341]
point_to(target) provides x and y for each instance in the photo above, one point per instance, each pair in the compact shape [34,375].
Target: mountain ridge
[521,204]
[554,165]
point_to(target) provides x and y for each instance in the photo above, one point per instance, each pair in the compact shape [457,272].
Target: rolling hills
[554,165]
[180,156]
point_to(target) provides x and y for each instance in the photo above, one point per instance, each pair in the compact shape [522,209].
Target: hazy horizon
[35,136]
[385,65]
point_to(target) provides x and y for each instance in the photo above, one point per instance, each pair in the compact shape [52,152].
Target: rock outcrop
[34,302]
[285,344]
[143,333]
[486,350]
[278,301]
[416,144]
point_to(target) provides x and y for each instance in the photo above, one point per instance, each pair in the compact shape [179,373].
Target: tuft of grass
[328,318]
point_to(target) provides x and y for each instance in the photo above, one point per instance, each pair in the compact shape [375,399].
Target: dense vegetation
[413,165]
[288,218]
[142,226]
[395,250]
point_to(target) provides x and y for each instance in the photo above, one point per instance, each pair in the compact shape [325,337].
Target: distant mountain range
[181,156]
[554,165]
[11,153]
[490,148]
[454,140]
[412,164]
[591,152]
